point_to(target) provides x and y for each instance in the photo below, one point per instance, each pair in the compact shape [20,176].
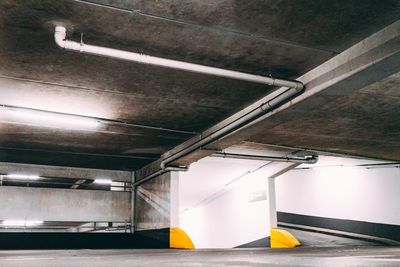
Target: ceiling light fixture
[22,176]
[103,181]
[21,223]
[52,119]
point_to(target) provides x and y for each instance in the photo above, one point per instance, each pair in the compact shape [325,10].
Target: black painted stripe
[158,238]
[381,230]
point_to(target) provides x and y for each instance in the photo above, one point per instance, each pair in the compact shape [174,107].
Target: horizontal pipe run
[241,122]
[294,87]
[306,160]
[158,173]
[60,39]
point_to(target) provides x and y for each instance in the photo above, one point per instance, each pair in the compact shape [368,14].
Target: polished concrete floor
[317,250]
[306,256]
[312,239]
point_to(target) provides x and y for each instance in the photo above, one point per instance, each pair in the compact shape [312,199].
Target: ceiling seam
[251,36]
[136,95]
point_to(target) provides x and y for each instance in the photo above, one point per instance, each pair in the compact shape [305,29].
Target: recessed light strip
[21,222]
[66,119]
[22,176]
[103,181]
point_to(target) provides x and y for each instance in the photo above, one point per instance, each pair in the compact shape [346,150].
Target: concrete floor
[306,256]
[312,239]
[317,250]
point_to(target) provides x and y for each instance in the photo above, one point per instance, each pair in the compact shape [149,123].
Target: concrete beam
[48,204]
[371,60]
[64,172]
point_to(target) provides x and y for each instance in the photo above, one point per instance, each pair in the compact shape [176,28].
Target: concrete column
[174,198]
[276,170]
[133,202]
[157,202]
[273,221]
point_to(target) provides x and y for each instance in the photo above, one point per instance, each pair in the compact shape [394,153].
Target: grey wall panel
[64,172]
[20,203]
[153,203]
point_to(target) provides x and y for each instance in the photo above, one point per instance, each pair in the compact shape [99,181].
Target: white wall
[227,222]
[371,195]
[216,211]
[218,214]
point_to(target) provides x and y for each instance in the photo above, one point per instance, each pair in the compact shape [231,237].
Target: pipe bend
[294,86]
[59,36]
[299,86]
[312,160]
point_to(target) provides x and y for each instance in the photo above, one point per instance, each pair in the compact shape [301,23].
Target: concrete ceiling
[364,123]
[282,38]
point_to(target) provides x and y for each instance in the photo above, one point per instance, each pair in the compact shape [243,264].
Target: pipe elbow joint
[60,40]
[162,165]
[313,159]
[60,33]
[299,86]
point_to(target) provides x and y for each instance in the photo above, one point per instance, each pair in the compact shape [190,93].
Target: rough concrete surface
[282,38]
[319,257]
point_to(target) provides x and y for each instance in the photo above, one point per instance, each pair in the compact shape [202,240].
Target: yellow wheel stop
[282,239]
[179,239]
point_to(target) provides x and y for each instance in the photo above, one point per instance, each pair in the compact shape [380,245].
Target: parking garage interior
[199,133]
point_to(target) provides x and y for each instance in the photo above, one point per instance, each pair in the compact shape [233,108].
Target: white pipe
[243,122]
[60,39]
[312,159]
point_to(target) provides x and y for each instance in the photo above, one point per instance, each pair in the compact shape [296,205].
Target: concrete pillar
[133,203]
[157,202]
[174,197]
[273,221]
[276,170]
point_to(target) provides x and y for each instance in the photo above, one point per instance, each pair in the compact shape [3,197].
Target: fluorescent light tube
[103,181]
[21,223]
[22,176]
[53,119]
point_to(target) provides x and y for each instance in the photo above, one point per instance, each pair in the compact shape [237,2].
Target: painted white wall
[229,221]
[216,211]
[342,192]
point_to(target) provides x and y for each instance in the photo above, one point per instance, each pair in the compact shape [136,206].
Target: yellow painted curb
[282,239]
[179,239]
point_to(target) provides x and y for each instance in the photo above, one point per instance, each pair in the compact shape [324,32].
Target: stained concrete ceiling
[279,38]
[365,123]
